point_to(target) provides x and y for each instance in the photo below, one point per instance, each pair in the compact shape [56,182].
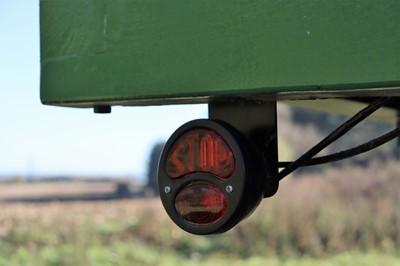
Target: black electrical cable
[337,133]
[372,144]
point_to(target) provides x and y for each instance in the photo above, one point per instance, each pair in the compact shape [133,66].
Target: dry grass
[315,216]
[76,215]
[333,212]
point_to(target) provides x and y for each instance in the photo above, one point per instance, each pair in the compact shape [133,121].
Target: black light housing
[210,177]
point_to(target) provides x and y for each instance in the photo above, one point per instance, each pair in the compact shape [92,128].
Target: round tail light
[209,177]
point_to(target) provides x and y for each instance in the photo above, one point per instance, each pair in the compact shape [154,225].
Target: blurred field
[49,189]
[336,218]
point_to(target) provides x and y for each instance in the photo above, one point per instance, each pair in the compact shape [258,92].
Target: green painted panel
[123,51]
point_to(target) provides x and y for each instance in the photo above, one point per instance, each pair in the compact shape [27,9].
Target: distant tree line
[152,167]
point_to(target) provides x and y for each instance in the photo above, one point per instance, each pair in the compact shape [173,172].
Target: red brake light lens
[201,203]
[200,151]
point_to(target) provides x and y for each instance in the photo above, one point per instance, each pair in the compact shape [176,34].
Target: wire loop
[306,158]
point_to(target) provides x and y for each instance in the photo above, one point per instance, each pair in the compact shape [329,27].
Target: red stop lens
[201,203]
[200,151]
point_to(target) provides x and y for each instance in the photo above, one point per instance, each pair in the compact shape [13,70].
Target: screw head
[229,188]
[167,189]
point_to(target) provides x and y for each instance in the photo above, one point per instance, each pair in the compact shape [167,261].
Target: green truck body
[137,52]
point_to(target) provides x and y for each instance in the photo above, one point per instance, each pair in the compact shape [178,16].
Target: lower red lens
[201,203]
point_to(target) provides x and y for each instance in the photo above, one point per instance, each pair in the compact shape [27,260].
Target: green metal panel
[162,51]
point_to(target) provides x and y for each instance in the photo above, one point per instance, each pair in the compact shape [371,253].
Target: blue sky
[43,140]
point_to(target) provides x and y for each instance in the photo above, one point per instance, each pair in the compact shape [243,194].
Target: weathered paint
[133,52]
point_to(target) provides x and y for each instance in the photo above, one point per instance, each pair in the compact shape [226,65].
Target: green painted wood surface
[126,51]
